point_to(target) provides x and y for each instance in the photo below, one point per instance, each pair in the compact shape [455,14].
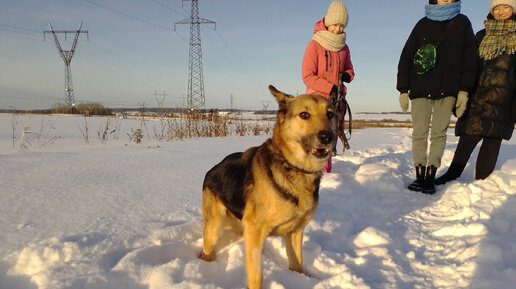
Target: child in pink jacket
[327,55]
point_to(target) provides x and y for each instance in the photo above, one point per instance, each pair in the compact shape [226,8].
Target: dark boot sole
[428,192]
[443,180]
[414,188]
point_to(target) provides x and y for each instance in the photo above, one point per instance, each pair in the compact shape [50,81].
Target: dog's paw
[207,258]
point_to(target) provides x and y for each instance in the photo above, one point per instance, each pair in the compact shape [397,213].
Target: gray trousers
[434,116]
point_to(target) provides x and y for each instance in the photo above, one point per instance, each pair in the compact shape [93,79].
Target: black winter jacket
[491,105]
[456,62]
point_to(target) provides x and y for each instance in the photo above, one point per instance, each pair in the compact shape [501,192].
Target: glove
[404,100]
[345,77]
[460,105]
[333,93]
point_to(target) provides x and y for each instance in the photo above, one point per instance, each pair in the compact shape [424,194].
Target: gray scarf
[332,42]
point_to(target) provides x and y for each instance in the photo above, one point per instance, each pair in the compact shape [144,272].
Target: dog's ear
[282,98]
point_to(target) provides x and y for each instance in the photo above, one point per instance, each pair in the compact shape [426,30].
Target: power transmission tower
[265,104]
[160,101]
[67,58]
[195,95]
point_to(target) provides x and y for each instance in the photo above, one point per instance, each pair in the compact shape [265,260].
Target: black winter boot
[453,172]
[420,178]
[429,185]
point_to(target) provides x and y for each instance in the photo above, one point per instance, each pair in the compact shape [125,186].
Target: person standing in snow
[327,60]
[436,71]
[491,112]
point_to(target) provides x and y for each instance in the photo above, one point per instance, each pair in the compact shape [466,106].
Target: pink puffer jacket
[321,67]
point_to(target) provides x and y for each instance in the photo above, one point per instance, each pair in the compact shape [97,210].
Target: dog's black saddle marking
[227,180]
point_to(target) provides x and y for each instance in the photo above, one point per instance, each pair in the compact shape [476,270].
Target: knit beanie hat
[337,14]
[495,3]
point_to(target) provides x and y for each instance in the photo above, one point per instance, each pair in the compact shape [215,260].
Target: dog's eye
[304,115]
[330,115]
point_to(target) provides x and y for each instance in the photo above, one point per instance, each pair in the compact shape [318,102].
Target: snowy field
[121,215]
[381,116]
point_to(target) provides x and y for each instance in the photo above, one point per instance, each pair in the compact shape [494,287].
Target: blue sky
[133,50]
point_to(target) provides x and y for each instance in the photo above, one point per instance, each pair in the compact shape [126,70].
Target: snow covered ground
[121,215]
[381,116]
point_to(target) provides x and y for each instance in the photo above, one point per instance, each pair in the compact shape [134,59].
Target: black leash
[342,109]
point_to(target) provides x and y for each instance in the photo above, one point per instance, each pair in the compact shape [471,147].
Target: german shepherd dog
[272,189]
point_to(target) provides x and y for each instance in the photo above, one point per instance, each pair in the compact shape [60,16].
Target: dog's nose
[325,137]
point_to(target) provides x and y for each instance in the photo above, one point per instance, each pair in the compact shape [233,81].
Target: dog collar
[290,166]
[300,170]
[276,153]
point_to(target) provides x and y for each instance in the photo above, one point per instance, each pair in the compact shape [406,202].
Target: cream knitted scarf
[330,41]
[500,38]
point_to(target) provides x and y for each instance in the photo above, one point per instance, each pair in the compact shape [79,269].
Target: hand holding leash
[345,77]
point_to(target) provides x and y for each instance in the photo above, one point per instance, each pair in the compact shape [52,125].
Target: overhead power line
[19,32]
[127,15]
[19,28]
[169,8]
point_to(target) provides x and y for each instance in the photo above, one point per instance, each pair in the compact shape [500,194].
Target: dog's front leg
[294,246]
[254,237]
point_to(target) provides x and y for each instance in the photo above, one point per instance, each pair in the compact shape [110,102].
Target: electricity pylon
[67,58]
[265,104]
[195,96]
[160,101]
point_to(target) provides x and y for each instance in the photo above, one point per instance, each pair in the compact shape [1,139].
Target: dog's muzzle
[325,139]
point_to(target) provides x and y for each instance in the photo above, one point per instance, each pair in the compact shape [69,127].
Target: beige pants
[434,116]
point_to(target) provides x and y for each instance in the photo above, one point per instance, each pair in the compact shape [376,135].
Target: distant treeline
[82,108]
[99,109]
